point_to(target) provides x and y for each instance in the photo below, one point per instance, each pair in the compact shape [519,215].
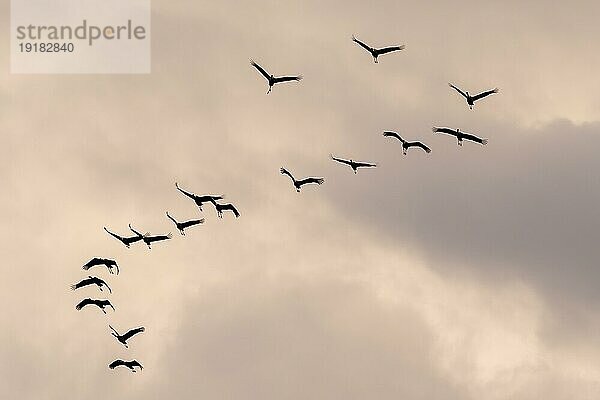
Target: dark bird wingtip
[484,141]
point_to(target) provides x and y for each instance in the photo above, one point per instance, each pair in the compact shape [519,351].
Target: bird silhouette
[225,207]
[298,183]
[149,239]
[472,99]
[377,52]
[96,261]
[460,136]
[406,144]
[186,224]
[355,165]
[129,364]
[127,335]
[91,280]
[274,79]
[95,302]
[127,241]
[199,200]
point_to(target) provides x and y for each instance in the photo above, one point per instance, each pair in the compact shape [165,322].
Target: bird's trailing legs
[270,87]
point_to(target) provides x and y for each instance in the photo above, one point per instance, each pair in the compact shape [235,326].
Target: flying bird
[129,364]
[225,207]
[355,165]
[460,136]
[149,239]
[298,184]
[127,241]
[472,99]
[96,302]
[199,200]
[377,52]
[127,335]
[274,79]
[406,144]
[186,224]
[96,261]
[91,280]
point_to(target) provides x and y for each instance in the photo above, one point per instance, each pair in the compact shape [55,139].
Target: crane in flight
[225,207]
[274,79]
[299,183]
[406,144]
[199,200]
[129,364]
[91,280]
[149,239]
[127,241]
[127,335]
[185,224]
[472,99]
[460,136]
[97,261]
[102,304]
[355,165]
[377,52]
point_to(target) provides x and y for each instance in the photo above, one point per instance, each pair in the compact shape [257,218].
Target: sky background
[467,273]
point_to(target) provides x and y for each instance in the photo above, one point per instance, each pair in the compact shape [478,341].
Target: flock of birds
[113,268]
[220,208]
[406,144]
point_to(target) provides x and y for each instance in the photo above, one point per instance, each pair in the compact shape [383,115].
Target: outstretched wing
[473,138]
[364,165]
[306,181]
[420,145]
[108,303]
[233,209]
[385,50]
[485,94]
[102,282]
[135,363]
[361,44]
[93,262]
[113,235]
[114,330]
[133,332]
[393,134]
[340,160]
[134,231]
[82,283]
[458,90]
[192,222]
[260,69]
[84,303]
[188,194]
[171,218]
[447,131]
[288,173]
[116,363]
[280,79]
[158,238]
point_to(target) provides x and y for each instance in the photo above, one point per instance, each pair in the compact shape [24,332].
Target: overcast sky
[467,273]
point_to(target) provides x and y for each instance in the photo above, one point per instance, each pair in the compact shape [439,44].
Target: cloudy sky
[468,273]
